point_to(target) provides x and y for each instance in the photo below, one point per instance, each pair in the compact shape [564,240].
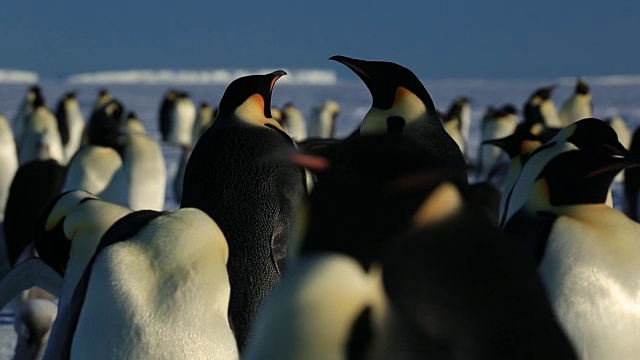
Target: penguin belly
[590,272]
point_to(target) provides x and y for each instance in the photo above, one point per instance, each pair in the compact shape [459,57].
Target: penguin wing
[531,232]
[123,229]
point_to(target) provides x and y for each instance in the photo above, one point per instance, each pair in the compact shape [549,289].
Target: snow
[188,77]
[142,92]
[8,76]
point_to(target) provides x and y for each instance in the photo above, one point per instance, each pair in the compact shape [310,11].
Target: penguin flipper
[531,231]
[27,274]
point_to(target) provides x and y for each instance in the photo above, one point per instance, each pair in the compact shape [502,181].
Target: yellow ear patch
[442,203]
[406,105]
[251,111]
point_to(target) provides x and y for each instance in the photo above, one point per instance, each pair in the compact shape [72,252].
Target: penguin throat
[251,111]
[406,105]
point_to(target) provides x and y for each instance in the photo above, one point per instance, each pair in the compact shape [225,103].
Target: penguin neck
[406,106]
[560,201]
[252,112]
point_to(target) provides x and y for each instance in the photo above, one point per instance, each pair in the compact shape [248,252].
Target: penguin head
[70,95]
[516,144]
[249,99]
[581,87]
[577,177]
[399,98]
[542,94]
[593,135]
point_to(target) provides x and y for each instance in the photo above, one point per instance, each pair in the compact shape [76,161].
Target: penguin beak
[617,149]
[616,165]
[274,77]
[353,64]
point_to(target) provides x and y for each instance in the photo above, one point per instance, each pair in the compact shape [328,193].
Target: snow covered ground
[611,96]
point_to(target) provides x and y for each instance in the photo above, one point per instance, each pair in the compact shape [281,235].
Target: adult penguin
[150,263]
[322,123]
[103,128]
[70,123]
[164,114]
[461,289]
[35,184]
[8,162]
[587,252]
[494,125]
[540,109]
[578,105]
[252,199]
[589,134]
[41,135]
[24,112]
[403,107]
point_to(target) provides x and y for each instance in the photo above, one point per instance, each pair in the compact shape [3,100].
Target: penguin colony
[292,243]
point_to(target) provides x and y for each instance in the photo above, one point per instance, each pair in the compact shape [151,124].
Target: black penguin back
[35,184]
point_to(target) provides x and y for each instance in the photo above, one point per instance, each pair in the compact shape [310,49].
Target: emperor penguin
[103,97]
[144,166]
[455,276]
[495,125]
[589,134]
[24,112]
[34,185]
[204,118]
[460,108]
[293,122]
[624,136]
[518,146]
[587,253]
[70,123]
[451,124]
[8,162]
[578,106]
[150,263]
[540,108]
[103,127]
[98,170]
[403,107]
[164,113]
[631,184]
[350,209]
[322,123]
[181,120]
[325,307]
[41,134]
[230,177]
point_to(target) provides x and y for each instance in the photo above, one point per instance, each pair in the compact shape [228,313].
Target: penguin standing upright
[164,114]
[70,123]
[589,254]
[103,127]
[540,109]
[24,112]
[588,134]
[631,185]
[460,108]
[103,97]
[578,106]
[204,119]
[322,123]
[403,107]
[495,125]
[461,289]
[34,185]
[144,166]
[181,120]
[252,199]
[41,134]
[293,122]
[451,124]
[8,162]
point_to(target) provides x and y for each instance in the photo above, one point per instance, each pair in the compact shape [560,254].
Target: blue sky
[436,39]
